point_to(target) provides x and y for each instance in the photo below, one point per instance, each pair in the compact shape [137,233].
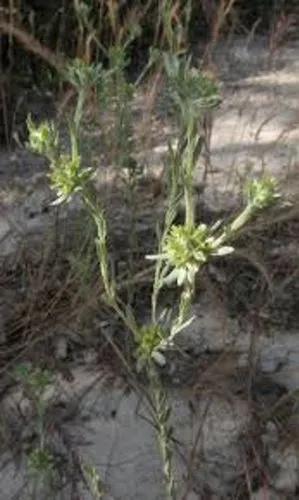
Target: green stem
[185,303]
[174,194]
[164,430]
[133,237]
[242,219]
[113,301]
[191,156]
[79,110]
[76,123]
[189,205]
[236,225]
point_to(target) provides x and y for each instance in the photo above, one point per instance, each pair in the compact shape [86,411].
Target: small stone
[243,360]
[61,348]
[272,358]
[161,149]
[13,158]
[212,330]
[287,478]
[192,496]
[90,356]
[271,436]
[265,493]
[8,245]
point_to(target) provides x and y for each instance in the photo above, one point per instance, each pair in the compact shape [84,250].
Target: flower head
[68,177]
[191,91]
[150,337]
[43,138]
[41,461]
[187,249]
[262,193]
[83,75]
[187,245]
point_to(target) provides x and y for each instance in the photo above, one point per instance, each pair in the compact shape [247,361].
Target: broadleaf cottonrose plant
[183,249]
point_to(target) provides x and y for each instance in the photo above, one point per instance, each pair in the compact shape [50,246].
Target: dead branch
[30,43]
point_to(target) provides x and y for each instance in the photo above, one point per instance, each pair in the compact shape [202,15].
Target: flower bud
[43,138]
[262,193]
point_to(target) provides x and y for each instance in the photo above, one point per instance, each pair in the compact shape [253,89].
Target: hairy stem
[164,429]
[96,211]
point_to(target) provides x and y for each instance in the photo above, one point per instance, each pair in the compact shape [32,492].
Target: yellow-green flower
[150,337]
[43,138]
[68,177]
[187,248]
[262,193]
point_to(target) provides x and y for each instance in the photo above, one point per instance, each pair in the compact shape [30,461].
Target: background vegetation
[38,37]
